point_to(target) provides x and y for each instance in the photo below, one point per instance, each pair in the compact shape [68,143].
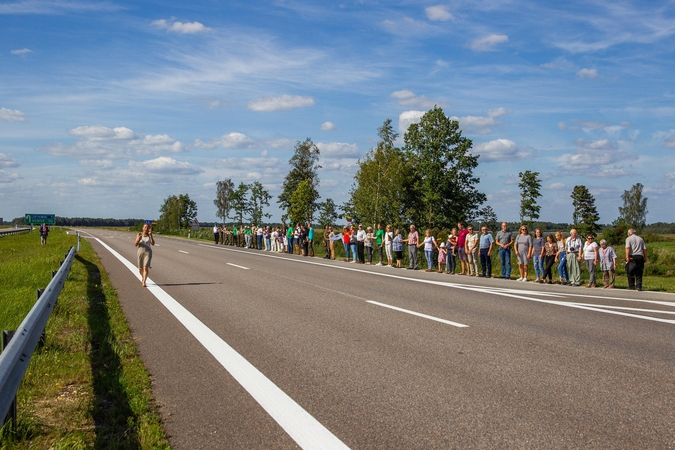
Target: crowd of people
[461,253]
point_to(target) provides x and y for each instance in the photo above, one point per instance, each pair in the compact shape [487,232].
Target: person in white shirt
[215,233]
[361,244]
[573,247]
[471,245]
[388,244]
[591,259]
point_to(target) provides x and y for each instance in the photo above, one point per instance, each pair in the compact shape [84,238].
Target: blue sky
[107,108]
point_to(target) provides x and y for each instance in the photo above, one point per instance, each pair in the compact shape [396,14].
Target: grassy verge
[86,387]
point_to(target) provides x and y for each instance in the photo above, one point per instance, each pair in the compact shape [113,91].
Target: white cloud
[599,159]
[407,118]
[327,126]
[180,27]
[438,13]
[500,150]
[12,115]
[498,112]
[7,161]
[164,165]
[590,74]
[410,99]
[21,51]
[8,177]
[99,142]
[97,164]
[667,137]
[246,163]
[285,102]
[337,149]
[230,140]
[488,43]
[670,142]
[557,187]
[346,166]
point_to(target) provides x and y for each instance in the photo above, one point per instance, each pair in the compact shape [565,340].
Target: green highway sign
[38,219]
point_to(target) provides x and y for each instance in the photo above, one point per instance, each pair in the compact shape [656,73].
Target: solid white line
[486,290]
[625,308]
[182,251]
[235,265]
[304,429]
[407,311]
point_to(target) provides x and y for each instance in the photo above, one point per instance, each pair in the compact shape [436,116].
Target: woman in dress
[388,241]
[144,242]
[524,250]
[397,247]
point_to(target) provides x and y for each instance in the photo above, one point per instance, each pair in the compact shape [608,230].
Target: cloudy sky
[108,107]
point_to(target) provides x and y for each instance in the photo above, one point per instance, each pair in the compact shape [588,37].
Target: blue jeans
[538,266]
[562,267]
[430,258]
[485,262]
[268,241]
[346,250]
[505,259]
[260,238]
[353,247]
[450,263]
[290,245]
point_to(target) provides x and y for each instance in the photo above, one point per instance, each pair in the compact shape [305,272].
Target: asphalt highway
[249,349]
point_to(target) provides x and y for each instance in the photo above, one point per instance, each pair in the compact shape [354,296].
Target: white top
[589,250]
[259,231]
[215,228]
[429,243]
[471,240]
[361,235]
[388,237]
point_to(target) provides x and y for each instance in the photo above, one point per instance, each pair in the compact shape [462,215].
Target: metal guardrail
[8,231]
[16,356]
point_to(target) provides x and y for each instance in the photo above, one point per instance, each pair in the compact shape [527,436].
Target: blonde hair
[560,236]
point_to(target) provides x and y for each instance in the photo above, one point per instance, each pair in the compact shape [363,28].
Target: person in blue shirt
[310,238]
[486,243]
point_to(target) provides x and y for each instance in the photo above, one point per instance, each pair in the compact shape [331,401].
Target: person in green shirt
[289,236]
[234,235]
[247,233]
[379,236]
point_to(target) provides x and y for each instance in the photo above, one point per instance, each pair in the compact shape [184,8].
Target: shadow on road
[111,409]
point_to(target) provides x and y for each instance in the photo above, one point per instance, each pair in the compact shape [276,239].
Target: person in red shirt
[461,251]
[346,239]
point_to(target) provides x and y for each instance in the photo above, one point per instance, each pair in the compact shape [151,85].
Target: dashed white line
[414,313]
[236,265]
[183,251]
[301,426]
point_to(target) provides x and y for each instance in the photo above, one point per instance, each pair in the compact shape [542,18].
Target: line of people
[461,253]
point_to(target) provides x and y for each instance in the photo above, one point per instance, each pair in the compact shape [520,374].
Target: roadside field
[85,387]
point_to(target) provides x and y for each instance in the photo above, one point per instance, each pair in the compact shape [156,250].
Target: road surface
[249,349]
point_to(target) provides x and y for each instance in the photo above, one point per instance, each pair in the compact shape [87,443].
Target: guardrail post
[11,414]
[43,336]
[78,242]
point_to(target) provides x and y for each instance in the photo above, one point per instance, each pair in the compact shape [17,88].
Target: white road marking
[407,311]
[487,290]
[302,427]
[235,265]
[182,251]
[414,313]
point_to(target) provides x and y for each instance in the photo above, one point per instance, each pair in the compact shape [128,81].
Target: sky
[109,107]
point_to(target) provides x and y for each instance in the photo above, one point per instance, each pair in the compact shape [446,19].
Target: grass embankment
[658,275]
[85,387]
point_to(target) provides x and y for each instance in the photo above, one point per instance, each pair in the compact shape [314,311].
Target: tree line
[429,181]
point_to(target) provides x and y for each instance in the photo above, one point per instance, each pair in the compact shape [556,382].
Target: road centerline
[237,265]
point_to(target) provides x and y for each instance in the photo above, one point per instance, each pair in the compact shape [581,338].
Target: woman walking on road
[144,242]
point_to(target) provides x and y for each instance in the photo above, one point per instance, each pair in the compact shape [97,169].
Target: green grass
[85,387]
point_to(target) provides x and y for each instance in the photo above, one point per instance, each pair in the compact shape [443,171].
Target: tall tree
[304,166]
[530,190]
[377,195]
[328,213]
[301,209]
[177,212]
[443,184]
[223,199]
[240,202]
[585,215]
[633,213]
[260,197]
